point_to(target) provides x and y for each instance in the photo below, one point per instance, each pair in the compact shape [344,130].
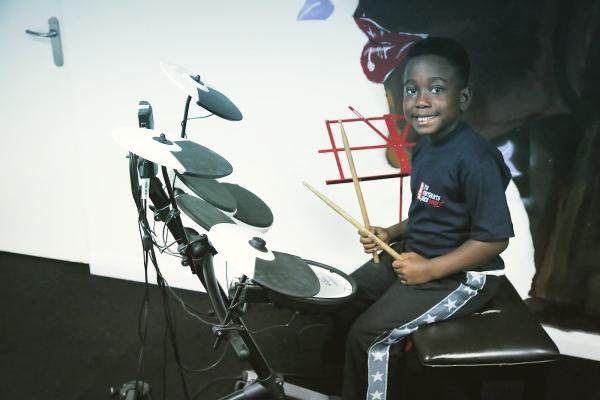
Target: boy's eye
[411,91]
[437,89]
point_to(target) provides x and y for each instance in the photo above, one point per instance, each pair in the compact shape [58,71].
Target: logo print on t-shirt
[434,200]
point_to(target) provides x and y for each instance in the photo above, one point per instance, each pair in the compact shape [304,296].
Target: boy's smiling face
[434,96]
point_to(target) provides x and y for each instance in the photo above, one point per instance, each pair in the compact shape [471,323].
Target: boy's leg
[372,280]
[400,311]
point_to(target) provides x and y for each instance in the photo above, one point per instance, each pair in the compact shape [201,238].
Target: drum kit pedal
[234,220]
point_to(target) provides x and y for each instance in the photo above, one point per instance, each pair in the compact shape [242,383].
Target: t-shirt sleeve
[485,185]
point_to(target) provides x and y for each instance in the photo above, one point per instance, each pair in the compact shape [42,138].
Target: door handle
[50,34]
[54,35]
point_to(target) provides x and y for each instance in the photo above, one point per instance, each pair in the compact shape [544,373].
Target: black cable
[169,321]
[226,274]
[169,291]
[304,328]
[185,307]
[147,237]
[172,331]
[136,193]
[208,368]
[310,326]
[164,369]
[163,248]
[143,312]
[200,117]
[188,308]
[166,249]
[149,253]
[286,325]
[143,328]
[134,181]
[165,233]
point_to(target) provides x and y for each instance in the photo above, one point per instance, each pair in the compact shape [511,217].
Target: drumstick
[361,200]
[354,222]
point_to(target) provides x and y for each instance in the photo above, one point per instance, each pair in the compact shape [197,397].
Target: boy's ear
[465,98]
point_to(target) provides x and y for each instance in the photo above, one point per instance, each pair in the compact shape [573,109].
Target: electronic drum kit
[234,219]
[231,214]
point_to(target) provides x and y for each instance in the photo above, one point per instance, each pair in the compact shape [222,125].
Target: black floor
[65,334]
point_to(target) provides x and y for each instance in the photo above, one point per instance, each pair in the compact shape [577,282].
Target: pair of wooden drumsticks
[364,229]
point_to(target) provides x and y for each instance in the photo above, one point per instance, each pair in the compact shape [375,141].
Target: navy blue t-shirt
[458,188]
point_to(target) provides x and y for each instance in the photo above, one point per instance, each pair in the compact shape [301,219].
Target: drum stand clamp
[194,249]
[161,214]
[232,312]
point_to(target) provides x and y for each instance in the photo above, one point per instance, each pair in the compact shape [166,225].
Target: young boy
[458,224]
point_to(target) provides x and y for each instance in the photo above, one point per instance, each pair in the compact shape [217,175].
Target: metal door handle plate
[54,35]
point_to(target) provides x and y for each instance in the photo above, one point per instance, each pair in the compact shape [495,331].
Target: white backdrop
[286,76]
[66,185]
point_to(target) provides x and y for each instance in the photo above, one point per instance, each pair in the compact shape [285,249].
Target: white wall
[287,77]
[42,211]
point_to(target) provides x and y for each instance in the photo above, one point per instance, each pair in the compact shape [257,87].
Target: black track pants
[384,312]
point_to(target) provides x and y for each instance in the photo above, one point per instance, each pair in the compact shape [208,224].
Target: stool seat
[502,333]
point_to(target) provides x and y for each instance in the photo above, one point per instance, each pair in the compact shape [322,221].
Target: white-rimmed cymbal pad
[150,145]
[204,94]
[184,79]
[240,246]
[182,155]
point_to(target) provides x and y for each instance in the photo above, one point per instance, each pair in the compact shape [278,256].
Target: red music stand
[393,140]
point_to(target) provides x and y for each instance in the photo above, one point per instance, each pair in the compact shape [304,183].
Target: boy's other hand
[369,245]
[412,269]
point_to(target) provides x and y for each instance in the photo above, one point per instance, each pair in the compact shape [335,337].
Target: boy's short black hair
[447,48]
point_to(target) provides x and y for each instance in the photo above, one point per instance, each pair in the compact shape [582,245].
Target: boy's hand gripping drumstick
[361,201]
[354,222]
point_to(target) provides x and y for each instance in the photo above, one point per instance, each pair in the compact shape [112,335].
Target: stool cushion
[502,333]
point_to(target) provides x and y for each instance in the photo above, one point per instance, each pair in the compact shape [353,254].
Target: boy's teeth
[423,119]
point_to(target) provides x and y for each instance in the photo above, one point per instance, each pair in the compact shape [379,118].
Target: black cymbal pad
[204,214]
[218,104]
[287,274]
[210,190]
[251,209]
[201,161]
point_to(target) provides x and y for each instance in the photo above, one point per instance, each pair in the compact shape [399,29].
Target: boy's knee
[360,336]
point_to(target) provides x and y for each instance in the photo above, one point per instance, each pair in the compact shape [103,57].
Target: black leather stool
[502,341]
